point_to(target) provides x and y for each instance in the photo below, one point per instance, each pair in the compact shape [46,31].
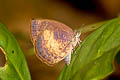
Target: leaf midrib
[16,69]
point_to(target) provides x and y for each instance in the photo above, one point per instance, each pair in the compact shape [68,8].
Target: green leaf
[16,66]
[92,60]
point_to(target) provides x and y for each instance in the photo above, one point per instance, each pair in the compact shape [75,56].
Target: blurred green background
[17,14]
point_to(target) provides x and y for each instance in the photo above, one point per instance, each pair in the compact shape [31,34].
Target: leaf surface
[16,67]
[93,59]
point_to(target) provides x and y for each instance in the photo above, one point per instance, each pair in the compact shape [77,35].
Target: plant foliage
[93,59]
[16,66]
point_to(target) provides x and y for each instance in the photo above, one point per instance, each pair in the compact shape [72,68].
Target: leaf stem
[92,27]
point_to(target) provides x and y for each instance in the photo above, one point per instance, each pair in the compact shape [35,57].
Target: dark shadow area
[114,77]
[86,5]
[2,58]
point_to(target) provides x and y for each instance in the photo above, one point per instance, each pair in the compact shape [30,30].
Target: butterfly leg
[67,59]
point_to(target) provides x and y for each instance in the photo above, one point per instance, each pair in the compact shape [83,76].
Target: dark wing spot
[55,57]
[34,25]
[56,35]
[48,60]
[43,52]
[44,56]
[39,45]
[64,36]
[46,52]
